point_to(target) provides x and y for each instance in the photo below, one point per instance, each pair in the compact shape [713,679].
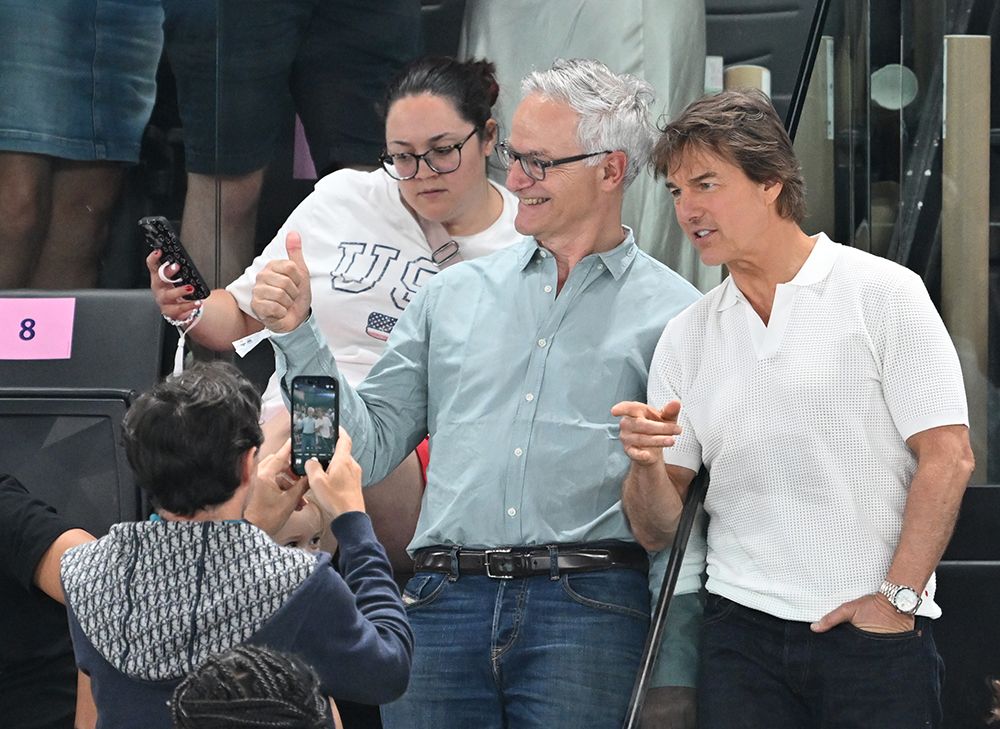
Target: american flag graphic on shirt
[380,325]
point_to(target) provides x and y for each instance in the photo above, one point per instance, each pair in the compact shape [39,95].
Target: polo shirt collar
[815,268]
[819,263]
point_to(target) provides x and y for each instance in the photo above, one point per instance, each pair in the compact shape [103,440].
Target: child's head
[303,529]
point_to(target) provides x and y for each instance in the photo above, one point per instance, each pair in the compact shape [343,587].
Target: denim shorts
[77,77]
[328,60]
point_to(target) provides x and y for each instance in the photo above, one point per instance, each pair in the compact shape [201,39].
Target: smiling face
[561,206]
[724,213]
[418,123]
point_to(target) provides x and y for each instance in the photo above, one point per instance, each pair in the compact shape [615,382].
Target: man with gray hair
[529,604]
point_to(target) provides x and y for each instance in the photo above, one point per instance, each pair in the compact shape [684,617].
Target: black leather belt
[506,563]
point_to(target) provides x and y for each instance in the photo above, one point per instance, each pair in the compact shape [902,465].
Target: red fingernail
[189,288]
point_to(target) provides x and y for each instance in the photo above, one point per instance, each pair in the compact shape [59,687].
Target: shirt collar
[816,268]
[617,260]
[819,263]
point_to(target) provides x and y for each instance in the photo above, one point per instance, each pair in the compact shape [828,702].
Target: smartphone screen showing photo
[315,420]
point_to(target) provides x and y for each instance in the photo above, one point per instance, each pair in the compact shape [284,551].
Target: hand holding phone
[337,488]
[159,234]
[274,493]
[315,420]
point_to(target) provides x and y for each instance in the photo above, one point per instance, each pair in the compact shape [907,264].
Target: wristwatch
[905,599]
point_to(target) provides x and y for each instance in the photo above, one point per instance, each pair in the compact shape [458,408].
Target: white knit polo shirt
[803,422]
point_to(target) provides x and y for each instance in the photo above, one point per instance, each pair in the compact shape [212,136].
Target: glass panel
[77,90]
[876,180]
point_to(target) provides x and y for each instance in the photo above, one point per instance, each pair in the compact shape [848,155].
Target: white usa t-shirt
[367,256]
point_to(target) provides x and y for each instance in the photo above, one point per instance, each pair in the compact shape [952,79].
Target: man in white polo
[822,391]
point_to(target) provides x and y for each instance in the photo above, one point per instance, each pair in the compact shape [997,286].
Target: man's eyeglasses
[533,166]
[404,165]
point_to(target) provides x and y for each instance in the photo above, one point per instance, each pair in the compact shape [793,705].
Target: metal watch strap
[890,590]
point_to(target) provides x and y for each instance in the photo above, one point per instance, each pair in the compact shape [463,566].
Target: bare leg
[25,207]
[83,197]
[240,196]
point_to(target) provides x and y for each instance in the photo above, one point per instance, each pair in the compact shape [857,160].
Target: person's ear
[613,168]
[248,466]
[490,134]
[772,190]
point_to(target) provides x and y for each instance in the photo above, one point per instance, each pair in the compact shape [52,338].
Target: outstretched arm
[653,492]
[387,415]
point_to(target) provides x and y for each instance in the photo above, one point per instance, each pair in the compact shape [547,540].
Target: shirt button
[541,342]
[529,397]
[518,452]
[512,511]
[548,289]
[543,254]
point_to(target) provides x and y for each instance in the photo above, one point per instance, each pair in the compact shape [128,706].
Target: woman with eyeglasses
[371,239]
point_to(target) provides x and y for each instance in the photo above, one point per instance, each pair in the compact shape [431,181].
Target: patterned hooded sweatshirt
[152,600]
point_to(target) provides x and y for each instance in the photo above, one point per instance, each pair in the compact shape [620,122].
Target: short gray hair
[613,108]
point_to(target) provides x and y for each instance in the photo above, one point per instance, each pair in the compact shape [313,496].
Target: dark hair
[251,686]
[470,85]
[742,127]
[185,438]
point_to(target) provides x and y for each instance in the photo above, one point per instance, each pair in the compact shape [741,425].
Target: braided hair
[250,686]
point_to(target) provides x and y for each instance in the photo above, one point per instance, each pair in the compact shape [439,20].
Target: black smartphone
[315,420]
[160,234]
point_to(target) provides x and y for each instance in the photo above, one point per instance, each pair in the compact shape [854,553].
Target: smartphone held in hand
[315,420]
[159,233]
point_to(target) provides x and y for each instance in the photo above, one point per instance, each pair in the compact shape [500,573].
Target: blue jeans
[759,671]
[522,653]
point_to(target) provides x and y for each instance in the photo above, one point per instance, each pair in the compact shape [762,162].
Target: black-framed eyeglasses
[404,165]
[533,166]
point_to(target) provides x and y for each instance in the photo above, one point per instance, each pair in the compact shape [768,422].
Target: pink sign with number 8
[36,328]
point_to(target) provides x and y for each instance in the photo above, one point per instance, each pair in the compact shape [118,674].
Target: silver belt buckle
[486,559]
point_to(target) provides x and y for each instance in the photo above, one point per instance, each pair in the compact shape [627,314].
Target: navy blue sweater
[151,601]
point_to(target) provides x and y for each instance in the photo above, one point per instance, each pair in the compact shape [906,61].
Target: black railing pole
[696,494]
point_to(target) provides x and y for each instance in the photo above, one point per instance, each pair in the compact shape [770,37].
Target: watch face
[906,600]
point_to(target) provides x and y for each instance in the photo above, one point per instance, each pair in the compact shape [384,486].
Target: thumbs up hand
[282,294]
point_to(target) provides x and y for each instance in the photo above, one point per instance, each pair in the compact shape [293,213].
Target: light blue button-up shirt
[515,386]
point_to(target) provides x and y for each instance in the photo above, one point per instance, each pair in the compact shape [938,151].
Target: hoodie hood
[157,598]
